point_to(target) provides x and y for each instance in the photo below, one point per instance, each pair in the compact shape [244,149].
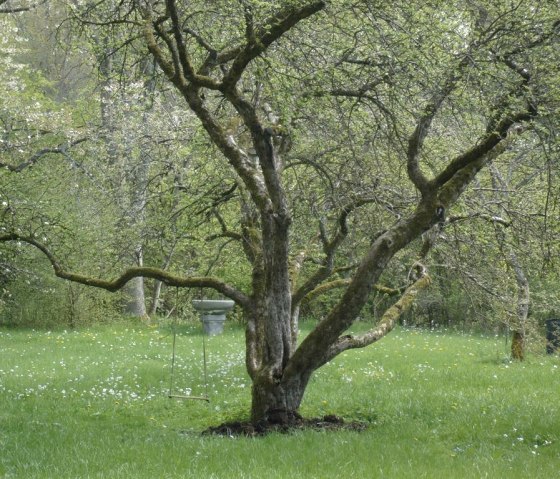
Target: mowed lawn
[93,403]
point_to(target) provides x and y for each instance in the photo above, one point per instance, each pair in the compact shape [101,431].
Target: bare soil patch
[284,425]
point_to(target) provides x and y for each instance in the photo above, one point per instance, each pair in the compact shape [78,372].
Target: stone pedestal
[213,314]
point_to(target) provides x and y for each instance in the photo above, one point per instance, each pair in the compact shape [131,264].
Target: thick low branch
[385,325]
[145,272]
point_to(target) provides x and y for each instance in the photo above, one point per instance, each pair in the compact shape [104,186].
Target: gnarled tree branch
[418,136]
[484,147]
[385,325]
[260,39]
[341,283]
[130,273]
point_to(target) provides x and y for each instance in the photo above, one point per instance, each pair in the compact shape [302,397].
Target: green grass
[93,403]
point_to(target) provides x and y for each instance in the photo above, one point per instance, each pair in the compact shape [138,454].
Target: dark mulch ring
[294,423]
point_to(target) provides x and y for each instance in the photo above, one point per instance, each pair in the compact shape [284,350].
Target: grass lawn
[93,403]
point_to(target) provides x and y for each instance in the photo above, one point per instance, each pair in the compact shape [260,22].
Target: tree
[430,98]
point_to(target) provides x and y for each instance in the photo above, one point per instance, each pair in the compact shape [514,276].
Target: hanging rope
[171,394]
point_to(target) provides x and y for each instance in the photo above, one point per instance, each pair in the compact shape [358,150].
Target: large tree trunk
[279,371]
[269,333]
[277,402]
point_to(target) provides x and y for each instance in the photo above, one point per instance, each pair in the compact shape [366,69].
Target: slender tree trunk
[137,178]
[159,284]
[156,293]
[523,297]
[523,291]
